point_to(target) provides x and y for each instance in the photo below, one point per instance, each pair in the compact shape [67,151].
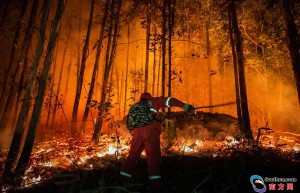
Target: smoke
[273,101]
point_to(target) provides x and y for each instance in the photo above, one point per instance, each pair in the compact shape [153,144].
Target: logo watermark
[261,185]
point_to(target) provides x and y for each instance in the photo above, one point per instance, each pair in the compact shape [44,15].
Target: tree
[171,9]
[293,42]
[81,74]
[13,66]
[20,125]
[96,66]
[163,77]
[38,104]
[56,103]
[110,53]
[16,88]
[148,27]
[238,50]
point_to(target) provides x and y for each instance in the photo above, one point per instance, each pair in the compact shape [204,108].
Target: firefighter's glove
[188,108]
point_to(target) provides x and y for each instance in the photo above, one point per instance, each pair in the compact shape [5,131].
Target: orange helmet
[145,95]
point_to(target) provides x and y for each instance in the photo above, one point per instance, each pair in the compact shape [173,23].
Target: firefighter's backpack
[139,115]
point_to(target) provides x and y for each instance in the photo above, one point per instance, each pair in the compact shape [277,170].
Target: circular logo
[258,183]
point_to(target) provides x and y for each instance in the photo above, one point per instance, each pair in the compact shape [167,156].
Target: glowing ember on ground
[61,154]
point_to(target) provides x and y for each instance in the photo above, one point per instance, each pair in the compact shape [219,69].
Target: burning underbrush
[205,137]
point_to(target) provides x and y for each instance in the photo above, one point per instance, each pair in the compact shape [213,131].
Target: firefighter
[148,138]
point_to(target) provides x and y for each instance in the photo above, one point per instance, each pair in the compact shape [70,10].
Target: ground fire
[203,135]
[149,96]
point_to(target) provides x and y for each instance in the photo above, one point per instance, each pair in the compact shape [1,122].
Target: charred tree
[148,27]
[37,108]
[56,103]
[293,42]
[95,70]
[7,3]
[51,95]
[163,39]
[81,74]
[68,74]
[20,125]
[171,15]
[11,107]
[23,58]
[110,53]
[208,53]
[238,49]
[13,66]
[236,75]
[127,65]
[154,59]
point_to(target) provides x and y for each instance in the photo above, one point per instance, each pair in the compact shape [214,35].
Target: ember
[51,157]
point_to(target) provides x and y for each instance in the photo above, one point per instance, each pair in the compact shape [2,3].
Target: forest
[71,70]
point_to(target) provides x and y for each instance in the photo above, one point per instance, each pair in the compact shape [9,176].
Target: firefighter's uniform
[148,138]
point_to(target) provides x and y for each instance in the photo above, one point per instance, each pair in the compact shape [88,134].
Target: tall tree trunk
[154,60]
[20,126]
[27,41]
[171,8]
[147,45]
[79,41]
[37,108]
[13,66]
[95,70]
[158,71]
[246,129]
[208,53]
[293,42]
[68,76]
[163,81]
[56,103]
[108,64]
[7,3]
[127,65]
[50,104]
[236,75]
[81,75]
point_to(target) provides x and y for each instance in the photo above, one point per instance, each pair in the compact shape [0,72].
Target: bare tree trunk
[154,60]
[13,66]
[127,65]
[19,131]
[95,70]
[79,41]
[236,75]
[37,108]
[246,128]
[27,41]
[147,45]
[163,82]
[109,62]
[81,75]
[7,3]
[68,76]
[171,8]
[208,52]
[158,71]
[60,77]
[50,104]
[293,42]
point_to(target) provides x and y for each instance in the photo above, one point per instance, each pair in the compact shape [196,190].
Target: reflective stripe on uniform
[125,174]
[153,110]
[168,102]
[154,177]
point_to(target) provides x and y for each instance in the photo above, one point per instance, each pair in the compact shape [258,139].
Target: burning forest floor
[190,164]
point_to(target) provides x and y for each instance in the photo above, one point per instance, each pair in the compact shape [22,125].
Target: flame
[83,154]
